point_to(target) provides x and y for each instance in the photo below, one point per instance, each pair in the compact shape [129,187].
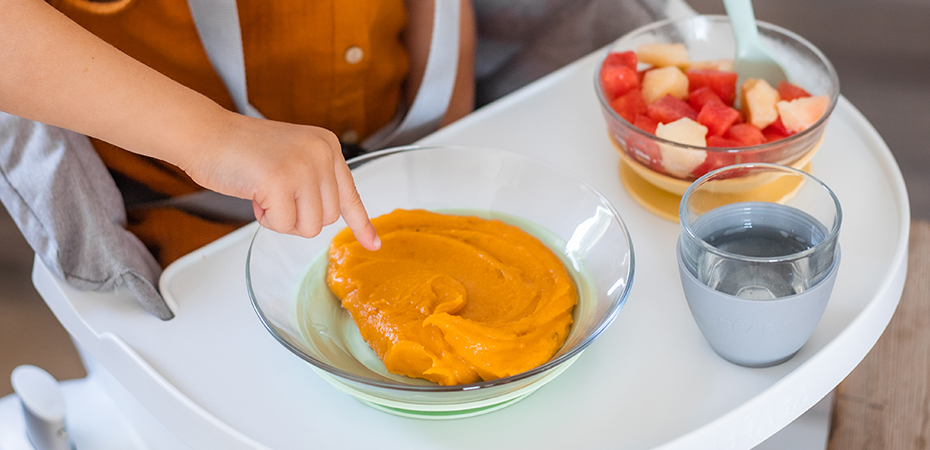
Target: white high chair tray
[217,379]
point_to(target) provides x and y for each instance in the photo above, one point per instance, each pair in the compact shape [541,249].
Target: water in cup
[757,250]
[758,258]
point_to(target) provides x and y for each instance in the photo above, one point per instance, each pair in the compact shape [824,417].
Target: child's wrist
[199,135]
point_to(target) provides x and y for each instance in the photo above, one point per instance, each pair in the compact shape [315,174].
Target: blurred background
[881,51]
[880,48]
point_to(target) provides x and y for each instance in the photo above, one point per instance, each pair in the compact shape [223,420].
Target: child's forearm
[54,71]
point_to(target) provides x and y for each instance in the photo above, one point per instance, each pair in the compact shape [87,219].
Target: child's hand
[295,175]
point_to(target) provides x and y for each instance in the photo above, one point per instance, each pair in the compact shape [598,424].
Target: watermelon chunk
[713,160]
[718,159]
[721,142]
[722,83]
[776,131]
[669,109]
[629,105]
[618,80]
[700,96]
[746,134]
[627,58]
[717,117]
[788,91]
[645,123]
[645,151]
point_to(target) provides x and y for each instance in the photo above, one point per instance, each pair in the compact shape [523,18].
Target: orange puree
[453,299]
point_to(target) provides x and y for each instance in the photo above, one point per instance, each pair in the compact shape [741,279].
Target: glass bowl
[710,38]
[285,274]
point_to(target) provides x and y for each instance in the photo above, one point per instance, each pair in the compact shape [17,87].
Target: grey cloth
[67,206]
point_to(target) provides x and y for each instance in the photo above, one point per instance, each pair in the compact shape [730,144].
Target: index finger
[353,211]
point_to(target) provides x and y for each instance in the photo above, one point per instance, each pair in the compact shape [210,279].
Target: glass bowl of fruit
[675,109]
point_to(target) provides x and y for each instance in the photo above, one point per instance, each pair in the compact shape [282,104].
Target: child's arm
[54,71]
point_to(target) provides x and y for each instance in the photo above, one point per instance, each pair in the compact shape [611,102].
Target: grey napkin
[67,206]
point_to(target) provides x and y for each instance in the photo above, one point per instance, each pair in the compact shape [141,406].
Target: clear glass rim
[834,92]
[830,239]
[602,324]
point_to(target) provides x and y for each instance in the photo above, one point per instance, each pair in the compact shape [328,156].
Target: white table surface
[217,379]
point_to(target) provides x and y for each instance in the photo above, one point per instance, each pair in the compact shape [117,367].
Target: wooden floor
[883,404]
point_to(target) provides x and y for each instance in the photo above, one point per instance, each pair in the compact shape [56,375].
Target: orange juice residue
[453,299]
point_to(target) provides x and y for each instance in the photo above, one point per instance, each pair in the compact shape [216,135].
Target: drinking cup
[758,257]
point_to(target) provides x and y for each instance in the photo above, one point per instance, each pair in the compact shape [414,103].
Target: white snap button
[354,54]
[349,137]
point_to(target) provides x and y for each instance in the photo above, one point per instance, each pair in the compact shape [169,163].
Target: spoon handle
[743,21]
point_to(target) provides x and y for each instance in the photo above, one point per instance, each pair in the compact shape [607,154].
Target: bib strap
[432,98]
[217,23]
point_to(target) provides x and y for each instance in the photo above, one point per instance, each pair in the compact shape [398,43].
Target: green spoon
[753,59]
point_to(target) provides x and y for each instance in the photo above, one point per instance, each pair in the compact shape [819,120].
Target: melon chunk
[667,80]
[680,162]
[663,55]
[758,100]
[799,114]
